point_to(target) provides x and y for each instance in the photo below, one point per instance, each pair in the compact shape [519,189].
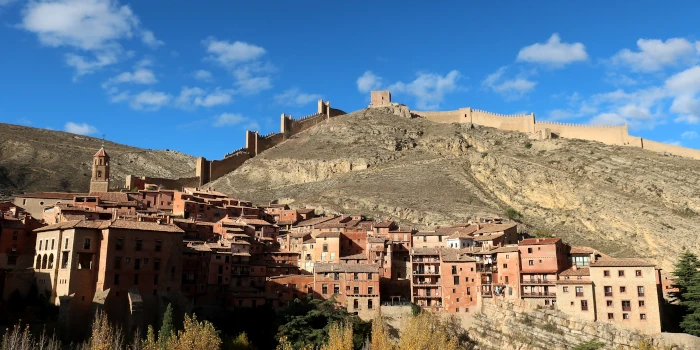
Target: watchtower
[380,98]
[99,182]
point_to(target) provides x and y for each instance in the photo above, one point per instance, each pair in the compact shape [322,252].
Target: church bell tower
[100,171]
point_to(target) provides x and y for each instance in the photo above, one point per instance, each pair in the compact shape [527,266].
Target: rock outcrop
[377,162]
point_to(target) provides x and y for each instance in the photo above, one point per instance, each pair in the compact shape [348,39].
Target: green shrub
[528,145]
[513,214]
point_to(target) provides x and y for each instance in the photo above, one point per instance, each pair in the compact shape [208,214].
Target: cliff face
[382,163]
[33,160]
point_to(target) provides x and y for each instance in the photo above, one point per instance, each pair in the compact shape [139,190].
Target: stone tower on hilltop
[100,171]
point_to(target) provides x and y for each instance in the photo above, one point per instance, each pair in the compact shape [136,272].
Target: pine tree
[684,271]
[167,330]
[691,300]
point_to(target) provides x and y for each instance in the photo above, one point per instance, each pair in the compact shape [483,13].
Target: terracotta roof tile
[581,250]
[314,221]
[430,233]
[101,153]
[111,196]
[574,282]
[506,249]
[621,263]
[384,224]
[425,251]
[488,236]
[143,226]
[51,195]
[360,256]
[495,228]
[305,210]
[376,239]
[328,235]
[539,241]
[579,271]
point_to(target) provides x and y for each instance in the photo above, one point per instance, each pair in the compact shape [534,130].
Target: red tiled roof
[539,241]
[111,196]
[578,271]
[384,224]
[488,236]
[255,222]
[328,234]
[621,263]
[495,228]
[143,226]
[574,282]
[376,239]
[101,153]
[581,250]
[360,256]
[314,221]
[430,233]
[305,210]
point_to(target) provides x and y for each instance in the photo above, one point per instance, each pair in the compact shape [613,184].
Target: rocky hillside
[382,163]
[33,160]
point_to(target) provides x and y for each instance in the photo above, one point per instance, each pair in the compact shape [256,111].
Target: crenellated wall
[255,143]
[139,182]
[610,135]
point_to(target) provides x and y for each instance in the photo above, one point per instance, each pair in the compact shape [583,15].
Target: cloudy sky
[193,75]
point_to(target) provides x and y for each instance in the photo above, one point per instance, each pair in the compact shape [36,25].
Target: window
[155,279]
[139,244]
[625,316]
[608,303]
[529,250]
[64,260]
[159,245]
[355,304]
[608,291]
[566,289]
[40,243]
[145,261]
[579,291]
[531,262]
[156,264]
[336,276]
[584,305]
[52,242]
[456,280]
[454,269]
[370,304]
[66,245]
[469,291]
[369,276]
[606,273]
[610,316]
[120,243]
[640,291]
[332,256]
[623,289]
[118,262]
[638,273]
[505,266]
[370,290]
[642,316]
[626,305]
[506,279]
[621,273]
[323,256]
[324,289]
[336,289]
[15,235]
[356,276]
[86,243]
[356,290]
[137,264]
[325,247]
[116,279]
[641,303]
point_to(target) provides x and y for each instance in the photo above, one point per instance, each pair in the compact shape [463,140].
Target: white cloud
[619,79]
[368,82]
[689,135]
[150,100]
[654,54]
[150,40]
[202,75]
[191,98]
[512,89]
[231,54]
[687,81]
[559,114]
[94,27]
[251,78]
[554,52]
[294,97]
[429,89]
[80,129]
[139,76]
[231,119]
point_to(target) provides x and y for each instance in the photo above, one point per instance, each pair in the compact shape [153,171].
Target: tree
[197,335]
[427,332]
[684,271]
[691,300]
[513,214]
[339,337]
[241,343]
[381,339]
[167,330]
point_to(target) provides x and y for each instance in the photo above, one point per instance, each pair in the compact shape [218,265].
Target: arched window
[100,161]
[99,173]
[44,261]
[51,261]
[38,262]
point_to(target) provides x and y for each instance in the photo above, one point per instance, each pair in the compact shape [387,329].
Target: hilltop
[623,201]
[34,160]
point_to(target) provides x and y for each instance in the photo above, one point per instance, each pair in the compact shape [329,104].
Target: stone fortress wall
[210,170]
[610,135]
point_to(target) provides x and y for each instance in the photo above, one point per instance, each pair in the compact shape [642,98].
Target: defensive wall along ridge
[610,135]
[210,170]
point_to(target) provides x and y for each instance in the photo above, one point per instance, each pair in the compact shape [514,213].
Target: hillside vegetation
[623,201]
[33,160]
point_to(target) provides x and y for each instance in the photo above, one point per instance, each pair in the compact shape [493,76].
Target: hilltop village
[132,253]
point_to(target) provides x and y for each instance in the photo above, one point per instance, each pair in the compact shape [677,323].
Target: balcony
[487,269]
[538,281]
[539,294]
[579,294]
[608,294]
[426,272]
[626,308]
[426,260]
[486,294]
[437,295]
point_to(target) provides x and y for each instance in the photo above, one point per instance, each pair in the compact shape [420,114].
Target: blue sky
[193,75]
